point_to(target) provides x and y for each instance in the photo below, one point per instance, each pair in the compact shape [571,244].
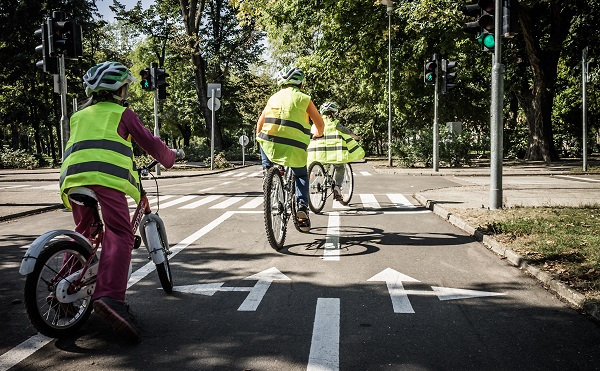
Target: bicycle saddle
[83,196]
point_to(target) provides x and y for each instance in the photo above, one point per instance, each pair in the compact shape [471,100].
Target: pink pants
[116,245]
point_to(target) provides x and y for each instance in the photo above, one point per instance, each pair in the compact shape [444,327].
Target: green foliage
[220,161]
[17,159]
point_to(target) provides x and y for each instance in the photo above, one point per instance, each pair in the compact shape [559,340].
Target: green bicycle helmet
[329,107]
[106,76]
[290,75]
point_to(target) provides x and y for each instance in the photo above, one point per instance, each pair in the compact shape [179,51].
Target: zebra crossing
[366,201]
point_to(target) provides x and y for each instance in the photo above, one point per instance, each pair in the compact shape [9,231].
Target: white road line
[337,205]
[365,173]
[178,201]
[201,202]
[227,173]
[332,241]
[400,201]
[240,174]
[325,344]
[369,201]
[22,351]
[15,186]
[253,204]
[228,202]
[256,174]
[578,178]
[205,189]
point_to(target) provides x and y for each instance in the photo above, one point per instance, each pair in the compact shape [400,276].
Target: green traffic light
[429,77]
[487,40]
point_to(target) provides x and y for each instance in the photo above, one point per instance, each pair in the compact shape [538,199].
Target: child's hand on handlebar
[179,154]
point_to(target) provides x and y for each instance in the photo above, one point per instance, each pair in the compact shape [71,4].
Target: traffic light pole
[436,130]
[64,118]
[496,122]
[153,67]
[584,106]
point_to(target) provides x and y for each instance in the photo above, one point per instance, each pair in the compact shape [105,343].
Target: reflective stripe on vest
[97,155]
[285,134]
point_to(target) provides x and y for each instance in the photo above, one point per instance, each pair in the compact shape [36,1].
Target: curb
[31,212]
[572,297]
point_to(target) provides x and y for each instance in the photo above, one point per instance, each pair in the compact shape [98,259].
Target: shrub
[17,159]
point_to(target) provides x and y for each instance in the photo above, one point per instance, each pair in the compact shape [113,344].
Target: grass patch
[563,241]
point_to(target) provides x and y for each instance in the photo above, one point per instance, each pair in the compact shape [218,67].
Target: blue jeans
[300,176]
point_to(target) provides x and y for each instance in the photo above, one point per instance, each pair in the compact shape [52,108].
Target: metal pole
[436,130]
[389,11]
[212,130]
[153,67]
[64,119]
[496,124]
[583,92]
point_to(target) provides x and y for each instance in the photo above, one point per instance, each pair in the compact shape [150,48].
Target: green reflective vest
[97,155]
[285,133]
[334,147]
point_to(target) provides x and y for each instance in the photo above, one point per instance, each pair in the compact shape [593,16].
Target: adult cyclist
[99,156]
[337,146]
[283,131]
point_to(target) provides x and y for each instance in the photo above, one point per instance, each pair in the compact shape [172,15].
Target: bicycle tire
[155,241]
[274,210]
[50,317]
[317,187]
[347,186]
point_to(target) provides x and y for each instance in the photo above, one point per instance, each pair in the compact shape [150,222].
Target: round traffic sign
[244,140]
[217,104]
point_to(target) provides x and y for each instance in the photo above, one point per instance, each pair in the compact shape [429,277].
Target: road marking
[201,202]
[578,178]
[369,201]
[205,189]
[337,205]
[228,202]
[393,279]
[178,201]
[240,174]
[325,343]
[254,203]
[22,351]
[332,241]
[255,293]
[400,201]
[399,295]
[365,173]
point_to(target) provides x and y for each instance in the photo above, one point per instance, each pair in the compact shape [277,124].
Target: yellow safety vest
[97,155]
[334,147]
[286,131]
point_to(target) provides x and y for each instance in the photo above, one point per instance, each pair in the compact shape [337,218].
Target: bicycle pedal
[137,241]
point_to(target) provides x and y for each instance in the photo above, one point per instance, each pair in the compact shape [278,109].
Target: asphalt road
[380,285]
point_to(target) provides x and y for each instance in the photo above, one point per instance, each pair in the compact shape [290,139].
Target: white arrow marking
[448,293]
[256,292]
[393,280]
[399,295]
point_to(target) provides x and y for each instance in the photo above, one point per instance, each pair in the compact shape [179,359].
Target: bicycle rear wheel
[156,244]
[274,208]
[47,314]
[317,188]
[347,186]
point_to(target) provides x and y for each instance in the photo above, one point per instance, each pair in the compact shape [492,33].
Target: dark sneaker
[337,193]
[117,313]
[62,310]
[303,219]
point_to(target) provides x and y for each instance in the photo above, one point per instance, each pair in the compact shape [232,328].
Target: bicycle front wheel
[347,186]
[274,208]
[156,245]
[47,314]
[317,187]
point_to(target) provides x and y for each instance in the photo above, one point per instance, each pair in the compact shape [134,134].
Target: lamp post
[390,9]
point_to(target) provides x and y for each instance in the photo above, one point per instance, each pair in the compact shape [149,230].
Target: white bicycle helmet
[106,76]
[329,107]
[290,75]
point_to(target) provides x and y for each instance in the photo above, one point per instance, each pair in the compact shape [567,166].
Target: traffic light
[161,82]
[510,18]
[146,80]
[483,26]
[66,36]
[48,63]
[429,71]
[448,75]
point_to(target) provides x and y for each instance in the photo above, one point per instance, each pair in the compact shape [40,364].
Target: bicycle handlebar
[144,170]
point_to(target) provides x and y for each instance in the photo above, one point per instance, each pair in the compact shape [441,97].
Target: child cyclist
[337,146]
[283,131]
[99,156]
